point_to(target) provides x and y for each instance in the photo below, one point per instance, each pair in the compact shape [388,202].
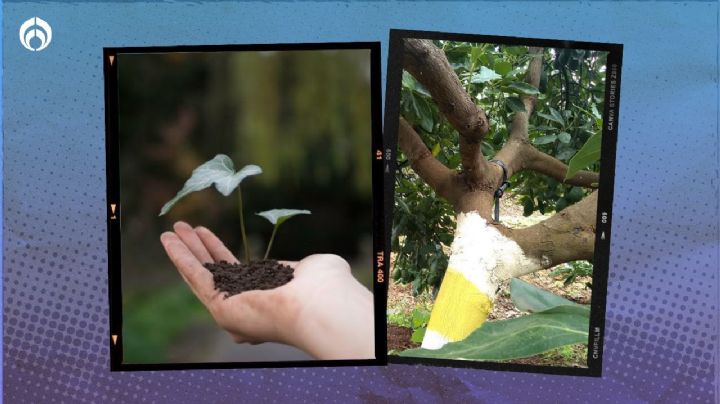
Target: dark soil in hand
[398,338]
[240,277]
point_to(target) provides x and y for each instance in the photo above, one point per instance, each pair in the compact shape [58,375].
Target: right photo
[502,199]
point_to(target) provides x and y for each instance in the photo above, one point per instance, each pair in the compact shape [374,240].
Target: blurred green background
[303,116]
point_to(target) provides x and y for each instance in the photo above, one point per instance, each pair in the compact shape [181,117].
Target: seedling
[220,171]
[278,217]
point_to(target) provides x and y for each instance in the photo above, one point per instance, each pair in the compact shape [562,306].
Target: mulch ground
[398,338]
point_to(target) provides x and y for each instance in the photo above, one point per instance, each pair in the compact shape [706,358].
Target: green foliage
[572,270]
[420,318]
[152,323]
[587,155]
[398,318]
[570,95]
[553,322]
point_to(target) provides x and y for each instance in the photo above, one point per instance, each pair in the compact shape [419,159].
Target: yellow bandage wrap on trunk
[460,308]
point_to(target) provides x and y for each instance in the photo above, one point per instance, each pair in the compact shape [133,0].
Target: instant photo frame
[363,175]
[433,77]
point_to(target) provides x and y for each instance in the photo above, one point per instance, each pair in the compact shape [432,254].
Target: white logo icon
[35,28]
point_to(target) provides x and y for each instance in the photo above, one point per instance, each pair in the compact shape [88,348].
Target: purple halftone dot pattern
[662,302]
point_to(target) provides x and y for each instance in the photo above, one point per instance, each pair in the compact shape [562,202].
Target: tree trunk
[484,253]
[481,258]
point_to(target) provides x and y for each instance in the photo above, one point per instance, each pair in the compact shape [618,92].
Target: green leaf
[518,337]
[528,207]
[516,50]
[418,335]
[420,318]
[561,204]
[219,171]
[436,149]
[588,154]
[564,137]
[557,115]
[551,118]
[527,297]
[544,139]
[484,75]
[279,216]
[475,53]
[574,194]
[408,80]
[520,87]
[502,67]
[515,104]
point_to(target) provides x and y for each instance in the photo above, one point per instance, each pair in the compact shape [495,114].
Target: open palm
[322,303]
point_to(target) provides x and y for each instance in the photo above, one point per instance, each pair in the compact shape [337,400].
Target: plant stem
[272,237]
[242,228]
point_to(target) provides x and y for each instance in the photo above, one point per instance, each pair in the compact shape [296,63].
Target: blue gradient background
[662,321]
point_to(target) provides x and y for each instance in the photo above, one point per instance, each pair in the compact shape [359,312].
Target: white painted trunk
[480,259]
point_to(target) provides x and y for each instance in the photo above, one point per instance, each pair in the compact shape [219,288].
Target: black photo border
[380,246]
[605,190]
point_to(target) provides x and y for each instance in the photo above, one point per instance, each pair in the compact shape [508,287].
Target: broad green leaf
[502,67]
[420,318]
[557,115]
[542,128]
[408,80]
[518,337]
[484,75]
[515,104]
[219,171]
[279,216]
[564,137]
[544,139]
[527,297]
[587,155]
[516,50]
[551,118]
[520,87]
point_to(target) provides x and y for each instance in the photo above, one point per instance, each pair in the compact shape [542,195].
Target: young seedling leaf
[279,216]
[219,171]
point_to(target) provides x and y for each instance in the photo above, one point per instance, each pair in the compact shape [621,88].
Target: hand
[323,310]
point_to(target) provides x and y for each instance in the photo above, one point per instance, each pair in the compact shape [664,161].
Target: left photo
[240,205]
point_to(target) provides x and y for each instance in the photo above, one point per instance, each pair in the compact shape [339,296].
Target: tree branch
[568,235]
[430,67]
[433,172]
[532,76]
[516,150]
[552,167]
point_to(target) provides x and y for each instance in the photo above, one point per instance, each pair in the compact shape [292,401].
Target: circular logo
[35,34]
